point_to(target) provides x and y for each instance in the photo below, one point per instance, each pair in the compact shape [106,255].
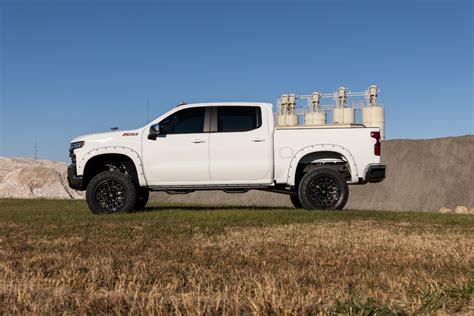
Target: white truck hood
[106,136]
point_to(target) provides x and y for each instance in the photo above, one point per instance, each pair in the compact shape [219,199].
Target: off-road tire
[323,189]
[111,192]
[142,199]
[295,200]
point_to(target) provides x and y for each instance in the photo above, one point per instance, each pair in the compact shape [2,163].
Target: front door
[180,153]
[240,145]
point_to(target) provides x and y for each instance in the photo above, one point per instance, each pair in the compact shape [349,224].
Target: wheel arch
[320,152]
[98,157]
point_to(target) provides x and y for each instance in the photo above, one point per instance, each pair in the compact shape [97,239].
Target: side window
[186,121]
[238,118]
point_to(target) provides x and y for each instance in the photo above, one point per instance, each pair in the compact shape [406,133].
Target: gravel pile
[29,178]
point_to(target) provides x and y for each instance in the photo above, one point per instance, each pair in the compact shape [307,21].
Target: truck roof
[236,103]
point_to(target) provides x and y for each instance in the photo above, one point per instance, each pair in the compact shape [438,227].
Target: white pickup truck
[233,147]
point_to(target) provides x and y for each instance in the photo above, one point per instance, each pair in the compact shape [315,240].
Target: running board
[231,188]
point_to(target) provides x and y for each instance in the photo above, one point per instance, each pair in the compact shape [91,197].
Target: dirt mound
[28,178]
[421,175]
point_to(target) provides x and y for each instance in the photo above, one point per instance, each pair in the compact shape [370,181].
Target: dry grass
[57,258]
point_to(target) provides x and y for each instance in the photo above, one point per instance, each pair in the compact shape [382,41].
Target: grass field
[56,257]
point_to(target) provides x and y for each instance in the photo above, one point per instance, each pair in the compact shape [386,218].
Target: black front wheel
[142,199]
[323,189]
[111,192]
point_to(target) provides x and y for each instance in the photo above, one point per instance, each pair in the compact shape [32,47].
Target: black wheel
[323,189]
[295,200]
[142,199]
[111,192]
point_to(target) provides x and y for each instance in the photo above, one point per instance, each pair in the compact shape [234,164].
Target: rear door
[239,145]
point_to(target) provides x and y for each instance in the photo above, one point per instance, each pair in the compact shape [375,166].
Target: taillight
[376,135]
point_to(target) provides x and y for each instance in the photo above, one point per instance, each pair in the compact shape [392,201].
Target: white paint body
[265,156]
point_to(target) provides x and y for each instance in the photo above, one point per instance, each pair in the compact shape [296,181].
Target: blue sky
[77,67]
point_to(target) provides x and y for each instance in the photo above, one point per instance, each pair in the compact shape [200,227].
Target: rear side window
[186,121]
[238,118]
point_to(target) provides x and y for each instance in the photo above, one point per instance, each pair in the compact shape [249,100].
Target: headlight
[76,145]
[73,147]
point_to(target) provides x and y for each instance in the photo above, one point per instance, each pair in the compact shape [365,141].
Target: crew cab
[233,147]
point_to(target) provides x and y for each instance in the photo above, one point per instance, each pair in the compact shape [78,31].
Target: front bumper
[375,173]
[75,182]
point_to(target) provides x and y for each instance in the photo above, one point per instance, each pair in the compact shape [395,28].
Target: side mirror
[154,132]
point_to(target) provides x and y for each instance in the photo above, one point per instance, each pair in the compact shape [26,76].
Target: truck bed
[354,143]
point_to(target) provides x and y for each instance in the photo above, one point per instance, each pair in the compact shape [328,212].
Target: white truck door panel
[239,148]
[176,158]
[180,154]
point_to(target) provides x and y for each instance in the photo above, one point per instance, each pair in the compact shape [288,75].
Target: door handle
[258,139]
[198,141]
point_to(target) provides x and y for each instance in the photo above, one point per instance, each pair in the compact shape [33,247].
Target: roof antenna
[148,112]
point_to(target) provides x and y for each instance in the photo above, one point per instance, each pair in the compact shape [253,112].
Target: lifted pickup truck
[232,147]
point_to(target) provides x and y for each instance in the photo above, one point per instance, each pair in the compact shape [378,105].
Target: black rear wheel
[323,189]
[111,192]
[295,200]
